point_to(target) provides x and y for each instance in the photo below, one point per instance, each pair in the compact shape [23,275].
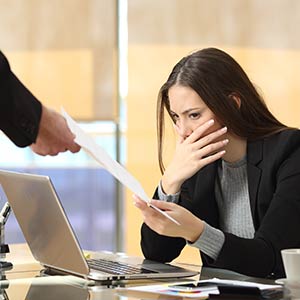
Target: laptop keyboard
[116,268]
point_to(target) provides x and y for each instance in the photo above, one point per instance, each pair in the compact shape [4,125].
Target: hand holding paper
[112,166]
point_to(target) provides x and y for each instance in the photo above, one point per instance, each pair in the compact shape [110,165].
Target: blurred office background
[104,62]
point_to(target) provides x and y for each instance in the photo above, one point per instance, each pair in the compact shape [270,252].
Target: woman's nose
[184,130]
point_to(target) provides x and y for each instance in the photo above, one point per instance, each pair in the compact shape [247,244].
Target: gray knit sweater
[232,196]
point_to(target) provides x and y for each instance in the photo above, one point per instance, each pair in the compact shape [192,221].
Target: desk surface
[21,282]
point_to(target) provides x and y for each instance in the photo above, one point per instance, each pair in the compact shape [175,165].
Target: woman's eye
[194,115]
[175,118]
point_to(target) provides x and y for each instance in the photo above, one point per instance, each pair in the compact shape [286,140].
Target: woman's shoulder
[4,66]
[288,135]
[283,143]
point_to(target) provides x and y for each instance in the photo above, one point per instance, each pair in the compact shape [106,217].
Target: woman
[234,181]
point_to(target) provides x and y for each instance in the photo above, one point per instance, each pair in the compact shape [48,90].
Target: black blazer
[20,111]
[274,190]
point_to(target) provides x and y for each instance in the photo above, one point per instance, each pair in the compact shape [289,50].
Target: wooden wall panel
[53,29]
[59,78]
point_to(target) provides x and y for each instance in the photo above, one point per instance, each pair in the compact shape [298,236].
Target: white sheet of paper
[167,290]
[108,163]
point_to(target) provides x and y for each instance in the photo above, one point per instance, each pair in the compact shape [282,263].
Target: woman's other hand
[190,227]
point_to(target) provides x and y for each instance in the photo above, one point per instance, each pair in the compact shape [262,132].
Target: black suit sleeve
[20,111]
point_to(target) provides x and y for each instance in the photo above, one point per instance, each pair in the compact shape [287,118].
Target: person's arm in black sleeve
[20,111]
[27,122]
[159,247]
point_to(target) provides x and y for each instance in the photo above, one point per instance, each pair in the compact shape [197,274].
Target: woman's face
[189,111]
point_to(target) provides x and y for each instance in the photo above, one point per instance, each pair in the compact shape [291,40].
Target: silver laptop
[53,242]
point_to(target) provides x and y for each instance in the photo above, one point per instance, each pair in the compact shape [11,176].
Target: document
[107,162]
[164,290]
[205,289]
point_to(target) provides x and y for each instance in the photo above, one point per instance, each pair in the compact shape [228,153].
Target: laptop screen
[43,221]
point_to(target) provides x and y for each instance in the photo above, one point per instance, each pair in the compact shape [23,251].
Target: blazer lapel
[204,194]
[254,157]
